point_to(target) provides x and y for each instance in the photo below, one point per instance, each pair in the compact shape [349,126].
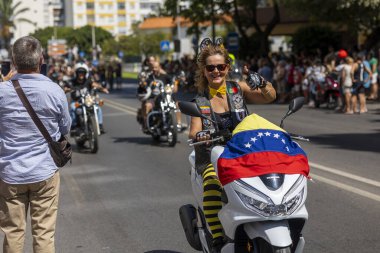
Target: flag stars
[267,134]
[248,145]
[260,135]
[254,139]
[276,136]
[283,141]
[287,148]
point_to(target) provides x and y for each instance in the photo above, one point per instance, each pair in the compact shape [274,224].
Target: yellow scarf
[222,90]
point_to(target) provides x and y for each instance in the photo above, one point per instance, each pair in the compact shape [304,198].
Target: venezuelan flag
[260,147]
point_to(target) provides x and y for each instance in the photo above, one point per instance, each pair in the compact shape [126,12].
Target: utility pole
[178,19]
[213,21]
[94,50]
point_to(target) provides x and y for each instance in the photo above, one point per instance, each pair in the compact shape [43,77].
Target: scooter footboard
[277,233]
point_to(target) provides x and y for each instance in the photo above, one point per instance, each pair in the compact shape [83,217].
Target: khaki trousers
[42,197]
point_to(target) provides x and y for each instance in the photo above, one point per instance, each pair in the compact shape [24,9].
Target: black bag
[60,150]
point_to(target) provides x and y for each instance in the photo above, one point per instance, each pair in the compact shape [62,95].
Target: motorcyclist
[180,84]
[82,80]
[153,81]
[223,101]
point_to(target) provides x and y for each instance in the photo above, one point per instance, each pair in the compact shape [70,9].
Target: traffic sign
[233,41]
[57,47]
[165,45]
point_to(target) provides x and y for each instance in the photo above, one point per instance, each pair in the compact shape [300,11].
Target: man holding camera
[29,176]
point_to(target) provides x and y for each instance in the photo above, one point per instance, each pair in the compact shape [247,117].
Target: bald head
[156,67]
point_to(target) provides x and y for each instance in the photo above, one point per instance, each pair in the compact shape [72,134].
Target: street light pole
[213,21]
[93,42]
[178,26]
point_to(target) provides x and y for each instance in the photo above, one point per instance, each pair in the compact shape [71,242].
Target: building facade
[42,13]
[115,16]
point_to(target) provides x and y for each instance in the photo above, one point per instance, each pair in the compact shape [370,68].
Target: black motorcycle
[86,109]
[162,120]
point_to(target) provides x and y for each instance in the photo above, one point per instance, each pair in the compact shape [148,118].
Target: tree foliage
[82,37]
[9,14]
[355,15]
[309,39]
[45,34]
[243,12]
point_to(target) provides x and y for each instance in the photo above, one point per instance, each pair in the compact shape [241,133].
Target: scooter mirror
[190,109]
[296,104]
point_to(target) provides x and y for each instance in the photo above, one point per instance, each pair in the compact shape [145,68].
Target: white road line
[115,114]
[346,187]
[345,174]
[120,105]
[121,109]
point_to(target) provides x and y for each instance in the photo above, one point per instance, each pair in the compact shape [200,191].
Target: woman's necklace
[222,90]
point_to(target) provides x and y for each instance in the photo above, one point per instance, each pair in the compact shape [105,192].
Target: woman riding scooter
[223,101]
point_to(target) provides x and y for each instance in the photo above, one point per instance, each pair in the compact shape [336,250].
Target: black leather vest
[238,111]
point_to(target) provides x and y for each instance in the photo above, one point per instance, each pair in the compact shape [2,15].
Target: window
[144,6]
[90,6]
[120,6]
[120,18]
[90,19]
[132,5]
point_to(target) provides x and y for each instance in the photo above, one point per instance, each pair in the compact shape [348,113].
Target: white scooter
[260,214]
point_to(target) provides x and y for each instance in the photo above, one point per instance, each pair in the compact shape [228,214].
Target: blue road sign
[233,41]
[165,45]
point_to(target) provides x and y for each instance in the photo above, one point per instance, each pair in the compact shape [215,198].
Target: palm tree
[9,13]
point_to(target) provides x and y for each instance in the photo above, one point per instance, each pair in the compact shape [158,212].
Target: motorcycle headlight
[88,101]
[168,89]
[264,206]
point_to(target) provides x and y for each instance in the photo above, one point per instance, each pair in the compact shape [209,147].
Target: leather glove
[255,81]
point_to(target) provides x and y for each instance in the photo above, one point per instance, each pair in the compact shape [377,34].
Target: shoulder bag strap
[31,111]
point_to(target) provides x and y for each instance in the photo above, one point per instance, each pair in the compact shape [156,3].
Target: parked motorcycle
[326,91]
[263,214]
[162,120]
[332,91]
[88,129]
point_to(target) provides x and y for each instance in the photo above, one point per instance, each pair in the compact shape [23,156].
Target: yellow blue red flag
[260,147]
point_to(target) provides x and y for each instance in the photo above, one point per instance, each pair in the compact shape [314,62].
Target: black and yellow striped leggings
[212,202]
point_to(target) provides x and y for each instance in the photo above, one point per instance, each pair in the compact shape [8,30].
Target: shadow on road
[368,142]
[141,141]
[162,251]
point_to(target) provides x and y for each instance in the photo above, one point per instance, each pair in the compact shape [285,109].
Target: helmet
[342,54]
[81,67]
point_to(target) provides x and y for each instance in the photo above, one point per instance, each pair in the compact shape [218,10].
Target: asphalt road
[126,197]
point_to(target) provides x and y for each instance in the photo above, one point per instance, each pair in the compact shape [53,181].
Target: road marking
[126,107]
[345,174]
[346,187]
[115,114]
[128,111]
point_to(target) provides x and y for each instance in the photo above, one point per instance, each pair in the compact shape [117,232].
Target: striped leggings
[212,203]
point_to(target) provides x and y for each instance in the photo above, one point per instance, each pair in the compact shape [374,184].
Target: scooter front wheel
[262,246]
[282,250]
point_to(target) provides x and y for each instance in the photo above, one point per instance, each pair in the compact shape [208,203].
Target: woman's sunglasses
[220,67]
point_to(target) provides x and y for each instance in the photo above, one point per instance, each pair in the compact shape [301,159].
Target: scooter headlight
[264,206]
